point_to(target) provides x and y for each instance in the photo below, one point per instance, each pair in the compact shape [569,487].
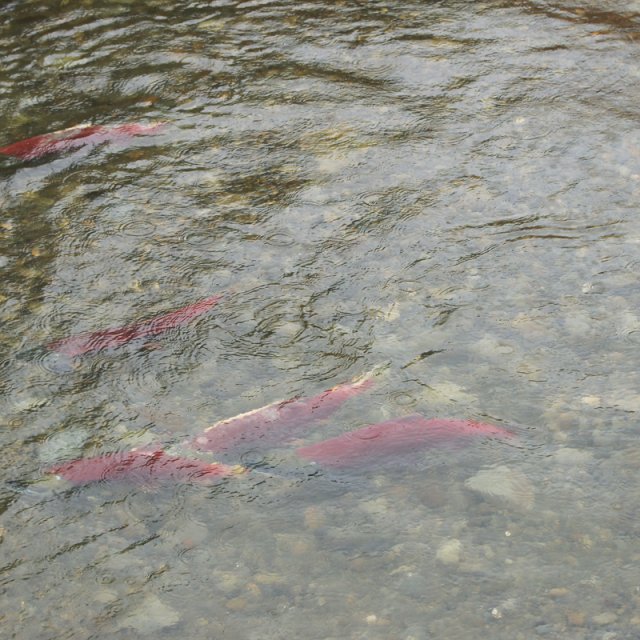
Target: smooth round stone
[236,604]
[449,552]
[504,487]
[602,619]
[150,616]
[571,456]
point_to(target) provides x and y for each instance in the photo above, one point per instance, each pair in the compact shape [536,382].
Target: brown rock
[236,604]
[576,618]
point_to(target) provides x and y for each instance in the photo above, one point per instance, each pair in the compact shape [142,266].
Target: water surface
[446,188]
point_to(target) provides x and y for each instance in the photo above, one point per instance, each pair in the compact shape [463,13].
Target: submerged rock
[569,456]
[504,487]
[63,444]
[450,552]
[150,615]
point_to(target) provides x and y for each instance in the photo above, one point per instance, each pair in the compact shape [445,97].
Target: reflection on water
[448,188]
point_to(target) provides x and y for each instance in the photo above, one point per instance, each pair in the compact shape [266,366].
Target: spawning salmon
[279,421]
[88,342]
[76,137]
[395,437]
[141,466]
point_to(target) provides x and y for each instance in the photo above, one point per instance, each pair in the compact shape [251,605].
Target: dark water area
[443,192]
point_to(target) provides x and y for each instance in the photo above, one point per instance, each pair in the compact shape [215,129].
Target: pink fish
[109,338]
[396,437]
[75,137]
[141,466]
[279,421]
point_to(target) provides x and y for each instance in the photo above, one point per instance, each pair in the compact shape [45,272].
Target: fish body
[88,342]
[76,137]
[395,437]
[275,423]
[141,466]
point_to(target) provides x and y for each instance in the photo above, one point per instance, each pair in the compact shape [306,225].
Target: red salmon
[279,421]
[395,437]
[141,466]
[75,137]
[108,338]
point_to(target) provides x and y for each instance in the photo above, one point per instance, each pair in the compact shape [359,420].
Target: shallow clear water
[447,189]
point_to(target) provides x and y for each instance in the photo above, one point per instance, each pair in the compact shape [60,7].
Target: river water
[445,190]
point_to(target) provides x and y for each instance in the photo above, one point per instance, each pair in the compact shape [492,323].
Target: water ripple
[446,187]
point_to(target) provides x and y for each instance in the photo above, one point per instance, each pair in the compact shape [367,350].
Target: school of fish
[274,425]
[278,424]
